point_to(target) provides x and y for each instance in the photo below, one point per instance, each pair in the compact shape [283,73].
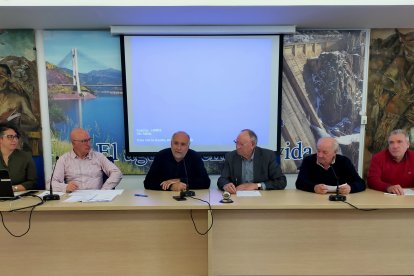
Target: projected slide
[209,86]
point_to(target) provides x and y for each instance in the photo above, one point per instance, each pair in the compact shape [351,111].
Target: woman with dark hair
[18,163]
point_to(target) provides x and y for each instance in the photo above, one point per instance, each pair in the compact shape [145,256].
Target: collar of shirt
[251,158]
[74,156]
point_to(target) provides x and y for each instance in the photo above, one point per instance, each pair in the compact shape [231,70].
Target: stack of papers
[332,189]
[93,195]
[248,193]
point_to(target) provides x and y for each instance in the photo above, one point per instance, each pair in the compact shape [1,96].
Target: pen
[389,194]
[141,195]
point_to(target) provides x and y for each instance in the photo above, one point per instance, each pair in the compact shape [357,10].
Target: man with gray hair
[392,169]
[177,168]
[323,171]
[250,167]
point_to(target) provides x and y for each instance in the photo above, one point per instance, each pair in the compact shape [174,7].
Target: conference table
[287,232]
[293,232]
[131,235]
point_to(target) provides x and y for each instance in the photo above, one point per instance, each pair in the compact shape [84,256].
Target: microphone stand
[187,192]
[336,196]
[52,196]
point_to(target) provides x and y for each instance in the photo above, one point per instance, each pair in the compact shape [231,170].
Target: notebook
[6,189]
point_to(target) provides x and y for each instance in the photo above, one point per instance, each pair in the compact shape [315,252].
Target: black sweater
[311,174]
[190,170]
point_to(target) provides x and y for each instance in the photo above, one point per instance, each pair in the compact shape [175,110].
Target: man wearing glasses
[250,167]
[83,168]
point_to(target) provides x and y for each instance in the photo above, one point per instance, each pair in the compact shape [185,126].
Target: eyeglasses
[84,141]
[11,137]
[240,144]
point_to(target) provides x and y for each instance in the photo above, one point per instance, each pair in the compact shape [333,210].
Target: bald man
[321,172]
[83,168]
[177,168]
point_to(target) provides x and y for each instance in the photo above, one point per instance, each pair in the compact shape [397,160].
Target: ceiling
[304,17]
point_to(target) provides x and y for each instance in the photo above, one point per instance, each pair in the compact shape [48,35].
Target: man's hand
[247,187]
[320,189]
[178,187]
[344,189]
[72,186]
[395,189]
[173,185]
[230,187]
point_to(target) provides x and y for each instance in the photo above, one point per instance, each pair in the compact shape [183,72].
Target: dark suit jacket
[265,169]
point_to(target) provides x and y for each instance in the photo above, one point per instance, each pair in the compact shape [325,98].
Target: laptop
[6,189]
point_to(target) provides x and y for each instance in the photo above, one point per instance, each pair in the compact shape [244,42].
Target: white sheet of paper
[408,192]
[93,195]
[75,199]
[248,193]
[332,189]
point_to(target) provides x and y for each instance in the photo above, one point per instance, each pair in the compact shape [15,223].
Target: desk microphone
[336,196]
[51,196]
[226,198]
[187,191]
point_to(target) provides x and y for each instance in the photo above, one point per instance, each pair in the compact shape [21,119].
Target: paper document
[332,189]
[408,192]
[93,195]
[248,193]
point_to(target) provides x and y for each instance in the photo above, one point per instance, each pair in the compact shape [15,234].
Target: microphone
[51,196]
[226,198]
[336,196]
[187,191]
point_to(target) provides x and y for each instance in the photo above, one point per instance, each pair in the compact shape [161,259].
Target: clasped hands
[173,185]
[344,189]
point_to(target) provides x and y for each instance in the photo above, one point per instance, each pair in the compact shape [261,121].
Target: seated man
[327,168]
[83,168]
[250,167]
[177,168]
[392,169]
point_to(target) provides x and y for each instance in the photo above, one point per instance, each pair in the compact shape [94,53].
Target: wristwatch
[259,186]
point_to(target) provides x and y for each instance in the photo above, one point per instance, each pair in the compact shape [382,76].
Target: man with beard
[177,168]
